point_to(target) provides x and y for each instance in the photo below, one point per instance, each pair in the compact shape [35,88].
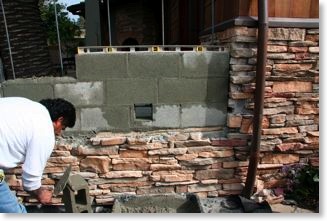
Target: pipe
[163,21]
[58,37]
[109,21]
[212,21]
[8,40]
[259,97]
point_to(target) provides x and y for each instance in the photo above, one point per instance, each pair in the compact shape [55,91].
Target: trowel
[62,181]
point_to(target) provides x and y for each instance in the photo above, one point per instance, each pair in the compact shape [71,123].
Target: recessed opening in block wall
[143,111]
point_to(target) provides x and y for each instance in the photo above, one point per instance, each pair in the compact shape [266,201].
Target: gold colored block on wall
[155,49]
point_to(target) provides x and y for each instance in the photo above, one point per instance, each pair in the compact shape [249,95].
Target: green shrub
[303,185]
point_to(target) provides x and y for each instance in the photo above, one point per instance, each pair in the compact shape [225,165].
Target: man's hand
[43,195]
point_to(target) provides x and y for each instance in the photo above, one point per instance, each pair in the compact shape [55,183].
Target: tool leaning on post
[27,137]
[75,192]
[62,181]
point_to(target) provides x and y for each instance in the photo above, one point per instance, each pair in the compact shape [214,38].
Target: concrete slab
[164,203]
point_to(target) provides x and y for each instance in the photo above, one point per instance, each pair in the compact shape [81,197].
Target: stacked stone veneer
[211,161]
[290,124]
[157,162]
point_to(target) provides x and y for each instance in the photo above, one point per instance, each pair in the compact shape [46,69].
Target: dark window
[143,111]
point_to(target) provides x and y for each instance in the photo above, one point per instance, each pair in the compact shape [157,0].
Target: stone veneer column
[291,110]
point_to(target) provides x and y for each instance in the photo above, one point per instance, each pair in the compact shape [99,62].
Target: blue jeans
[8,201]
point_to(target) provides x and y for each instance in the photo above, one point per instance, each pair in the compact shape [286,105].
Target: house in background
[182,22]
[138,22]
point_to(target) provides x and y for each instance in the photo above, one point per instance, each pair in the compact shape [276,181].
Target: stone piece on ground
[233,204]
[281,208]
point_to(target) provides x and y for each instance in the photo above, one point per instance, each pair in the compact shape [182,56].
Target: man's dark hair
[60,108]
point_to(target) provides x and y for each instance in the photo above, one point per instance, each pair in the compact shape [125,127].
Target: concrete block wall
[165,80]
[185,89]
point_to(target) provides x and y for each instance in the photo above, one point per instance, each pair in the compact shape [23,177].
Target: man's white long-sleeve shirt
[26,136]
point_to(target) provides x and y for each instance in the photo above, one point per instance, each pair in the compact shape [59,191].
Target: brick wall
[139,21]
